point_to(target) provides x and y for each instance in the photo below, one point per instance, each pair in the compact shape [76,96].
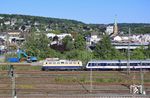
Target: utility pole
[14,87]
[128,61]
[13,81]
[91,80]
[142,80]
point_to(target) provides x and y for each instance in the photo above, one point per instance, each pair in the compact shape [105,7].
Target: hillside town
[17,37]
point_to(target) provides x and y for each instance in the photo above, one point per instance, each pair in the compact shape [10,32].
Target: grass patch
[2,67]
[28,68]
[108,80]
[147,80]
[105,74]
[62,79]
[83,80]
[25,86]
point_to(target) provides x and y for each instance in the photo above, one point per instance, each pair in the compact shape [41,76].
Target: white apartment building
[109,30]
[60,36]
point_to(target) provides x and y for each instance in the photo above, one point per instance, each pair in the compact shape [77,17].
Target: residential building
[109,30]
[60,36]
[93,39]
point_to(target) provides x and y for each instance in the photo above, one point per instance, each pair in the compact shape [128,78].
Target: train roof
[61,60]
[119,61]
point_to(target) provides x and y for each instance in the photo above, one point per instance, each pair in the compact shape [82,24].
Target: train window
[96,64]
[46,63]
[146,64]
[66,62]
[109,64]
[134,64]
[123,64]
[93,64]
[117,64]
[74,62]
[58,62]
[113,64]
[70,62]
[90,64]
[54,62]
[99,64]
[50,63]
[131,64]
[62,62]
[103,64]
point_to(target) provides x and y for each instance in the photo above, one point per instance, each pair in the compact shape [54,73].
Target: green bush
[2,67]
[65,79]
[110,80]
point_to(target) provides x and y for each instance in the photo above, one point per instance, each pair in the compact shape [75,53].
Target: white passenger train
[118,64]
[56,64]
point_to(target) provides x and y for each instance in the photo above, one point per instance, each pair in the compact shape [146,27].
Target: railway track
[51,82]
[75,96]
[64,72]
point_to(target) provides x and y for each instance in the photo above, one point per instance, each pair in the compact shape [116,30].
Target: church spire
[115,27]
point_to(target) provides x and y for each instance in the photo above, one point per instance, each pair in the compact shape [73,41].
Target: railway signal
[12,75]
[11,71]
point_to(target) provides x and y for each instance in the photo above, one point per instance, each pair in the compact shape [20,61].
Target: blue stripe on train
[60,67]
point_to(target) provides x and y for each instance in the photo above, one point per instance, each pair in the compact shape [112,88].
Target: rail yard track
[68,84]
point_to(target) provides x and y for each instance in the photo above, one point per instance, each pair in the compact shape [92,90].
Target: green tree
[37,45]
[80,43]
[71,54]
[79,55]
[66,39]
[138,54]
[84,56]
[147,52]
[105,50]
[68,43]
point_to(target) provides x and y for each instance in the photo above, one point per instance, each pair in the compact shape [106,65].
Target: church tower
[115,29]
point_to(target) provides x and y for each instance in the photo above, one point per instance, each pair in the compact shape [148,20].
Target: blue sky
[88,11]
